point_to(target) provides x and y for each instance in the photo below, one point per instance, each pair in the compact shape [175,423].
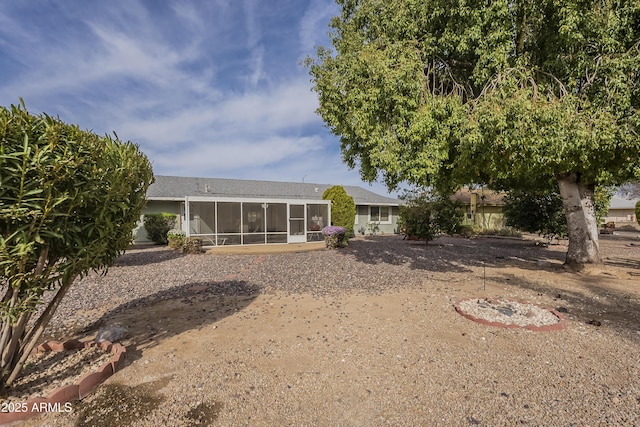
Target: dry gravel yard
[362,336]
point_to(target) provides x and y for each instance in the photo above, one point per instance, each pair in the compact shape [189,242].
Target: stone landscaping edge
[562,322]
[84,386]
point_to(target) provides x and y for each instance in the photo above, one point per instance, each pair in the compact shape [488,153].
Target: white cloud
[205,88]
[251,115]
[257,63]
[189,14]
[237,155]
[314,27]
[252,25]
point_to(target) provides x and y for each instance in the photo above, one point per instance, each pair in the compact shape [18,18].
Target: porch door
[296,224]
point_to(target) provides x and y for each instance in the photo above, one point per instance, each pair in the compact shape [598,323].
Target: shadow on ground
[157,317]
[595,300]
[453,254]
[138,256]
[607,296]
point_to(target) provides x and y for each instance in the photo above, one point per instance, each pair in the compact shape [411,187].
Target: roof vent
[316,189]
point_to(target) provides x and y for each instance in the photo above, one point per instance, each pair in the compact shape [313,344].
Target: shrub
[469,230]
[537,212]
[192,245]
[428,215]
[158,225]
[542,212]
[334,236]
[373,227]
[638,212]
[69,201]
[343,208]
[176,238]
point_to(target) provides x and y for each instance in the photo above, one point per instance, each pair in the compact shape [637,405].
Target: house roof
[177,187]
[491,198]
[618,202]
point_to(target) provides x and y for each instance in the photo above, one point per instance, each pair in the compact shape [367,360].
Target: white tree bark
[579,209]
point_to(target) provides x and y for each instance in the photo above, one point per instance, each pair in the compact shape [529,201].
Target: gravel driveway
[366,335]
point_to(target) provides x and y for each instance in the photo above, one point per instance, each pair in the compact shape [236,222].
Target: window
[381,214]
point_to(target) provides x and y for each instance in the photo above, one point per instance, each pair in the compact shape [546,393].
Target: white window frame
[389,221]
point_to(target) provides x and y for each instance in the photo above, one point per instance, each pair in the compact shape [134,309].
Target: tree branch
[36,331]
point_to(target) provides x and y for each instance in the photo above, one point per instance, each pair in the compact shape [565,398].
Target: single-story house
[482,207]
[485,208]
[622,210]
[242,212]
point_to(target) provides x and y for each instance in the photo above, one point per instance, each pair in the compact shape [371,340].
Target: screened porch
[254,222]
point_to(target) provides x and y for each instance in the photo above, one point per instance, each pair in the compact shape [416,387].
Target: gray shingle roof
[177,187]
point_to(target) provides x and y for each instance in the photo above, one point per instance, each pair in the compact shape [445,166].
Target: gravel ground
[366,335]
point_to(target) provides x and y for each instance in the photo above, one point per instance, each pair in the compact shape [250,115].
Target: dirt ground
[252,355]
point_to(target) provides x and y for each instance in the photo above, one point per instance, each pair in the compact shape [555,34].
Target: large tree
[69,200]
[525,94]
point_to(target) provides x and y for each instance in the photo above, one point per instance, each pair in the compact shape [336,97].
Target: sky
[209,88]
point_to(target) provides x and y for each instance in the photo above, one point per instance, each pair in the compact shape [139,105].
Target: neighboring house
[485,208]
[482,207]
[622,210]
[242,212]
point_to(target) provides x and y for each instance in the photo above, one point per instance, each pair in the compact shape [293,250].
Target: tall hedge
[69,201]
[343,208]
[638,212]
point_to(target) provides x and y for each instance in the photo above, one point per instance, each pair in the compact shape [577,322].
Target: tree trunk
[579,209]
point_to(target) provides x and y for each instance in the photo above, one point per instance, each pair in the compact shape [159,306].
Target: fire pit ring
[504,313]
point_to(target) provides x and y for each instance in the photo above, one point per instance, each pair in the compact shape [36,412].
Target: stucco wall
[363,218]
[489,217]
[621,215]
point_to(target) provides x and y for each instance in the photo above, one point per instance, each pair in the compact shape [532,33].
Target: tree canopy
[69,200]
[515,94]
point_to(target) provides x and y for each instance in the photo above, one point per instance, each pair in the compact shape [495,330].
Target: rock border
[84,386]
[562,322]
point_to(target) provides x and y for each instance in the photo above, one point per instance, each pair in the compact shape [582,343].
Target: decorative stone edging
[560,325]
[84,386]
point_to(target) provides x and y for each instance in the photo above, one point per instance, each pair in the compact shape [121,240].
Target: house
[622,211]
[243,212]
[485,208]
[482,207]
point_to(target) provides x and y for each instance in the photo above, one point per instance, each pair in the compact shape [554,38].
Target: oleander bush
[69,201]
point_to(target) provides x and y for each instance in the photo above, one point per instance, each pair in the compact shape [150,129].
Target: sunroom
[230,221]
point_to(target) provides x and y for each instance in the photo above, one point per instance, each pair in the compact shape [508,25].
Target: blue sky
[210,88]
